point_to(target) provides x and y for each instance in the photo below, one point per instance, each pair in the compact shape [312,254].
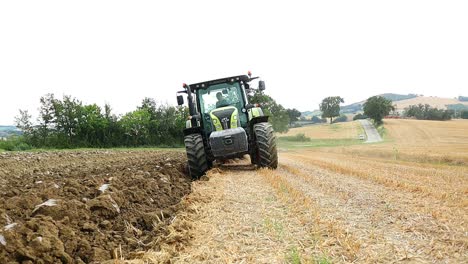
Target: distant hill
[357,107]
[352,108]
[398,97]
[7,131]
[439,102]
[310,114]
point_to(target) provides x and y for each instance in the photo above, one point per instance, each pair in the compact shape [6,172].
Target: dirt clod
[83,206]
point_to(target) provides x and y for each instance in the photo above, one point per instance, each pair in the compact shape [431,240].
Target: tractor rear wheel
[265,153]
[196,156]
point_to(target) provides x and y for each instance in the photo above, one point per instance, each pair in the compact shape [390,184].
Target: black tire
[196,156]
[254,154]
[265,153]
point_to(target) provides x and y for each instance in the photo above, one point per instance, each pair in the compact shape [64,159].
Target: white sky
[121,51]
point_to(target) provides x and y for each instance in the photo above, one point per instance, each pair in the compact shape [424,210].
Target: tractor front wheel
[264,153]
[196,156]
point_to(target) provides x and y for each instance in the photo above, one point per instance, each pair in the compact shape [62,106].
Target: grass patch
[380,128]
[293,256]
[322,260]
[14,144]
[360,129]
[335,127]
[316,143]
[274,225]
[382,131]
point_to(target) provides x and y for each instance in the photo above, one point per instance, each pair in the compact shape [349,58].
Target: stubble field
[403,200]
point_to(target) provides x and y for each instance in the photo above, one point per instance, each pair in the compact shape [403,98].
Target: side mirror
[180,100]
[261,85]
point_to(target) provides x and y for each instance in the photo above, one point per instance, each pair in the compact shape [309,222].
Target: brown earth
[87,206]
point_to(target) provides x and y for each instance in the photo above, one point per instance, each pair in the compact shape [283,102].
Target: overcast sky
[122,51]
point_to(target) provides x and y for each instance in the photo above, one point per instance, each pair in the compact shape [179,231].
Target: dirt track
[87,206]
[372,133]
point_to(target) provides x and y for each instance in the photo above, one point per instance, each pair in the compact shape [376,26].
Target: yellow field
[345,130]
[413,184]
[418,140]
[433,101]
[424,133]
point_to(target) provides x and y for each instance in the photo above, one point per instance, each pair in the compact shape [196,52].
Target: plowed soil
[87,206]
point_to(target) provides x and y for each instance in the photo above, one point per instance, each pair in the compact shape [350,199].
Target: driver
[221,100]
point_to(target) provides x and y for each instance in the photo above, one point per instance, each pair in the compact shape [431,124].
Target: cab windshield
[220,95]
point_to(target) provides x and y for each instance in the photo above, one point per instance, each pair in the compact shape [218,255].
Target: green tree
[427,112]
[92,125]
[341,118]
[279,117]
[377,107]
[330,107]
[136,127]
[317,119]
[46,118]
[360,116]
[67,112]
[294,115]
[464,114]
[113,133]
[23,122]
[68,123]
[150,105]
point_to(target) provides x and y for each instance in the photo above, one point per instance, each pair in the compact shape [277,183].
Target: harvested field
[329,208]
[443,142]
[87,206]
[369,203]
[346,130]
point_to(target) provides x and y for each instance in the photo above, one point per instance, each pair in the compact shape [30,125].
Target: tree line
[68,123]
[377,107]
[427,112]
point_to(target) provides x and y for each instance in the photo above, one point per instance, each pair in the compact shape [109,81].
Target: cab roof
[204,85]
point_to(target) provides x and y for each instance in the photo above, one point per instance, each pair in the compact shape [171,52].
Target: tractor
[223,125]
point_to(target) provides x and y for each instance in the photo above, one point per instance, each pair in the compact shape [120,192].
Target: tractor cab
[221,106]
